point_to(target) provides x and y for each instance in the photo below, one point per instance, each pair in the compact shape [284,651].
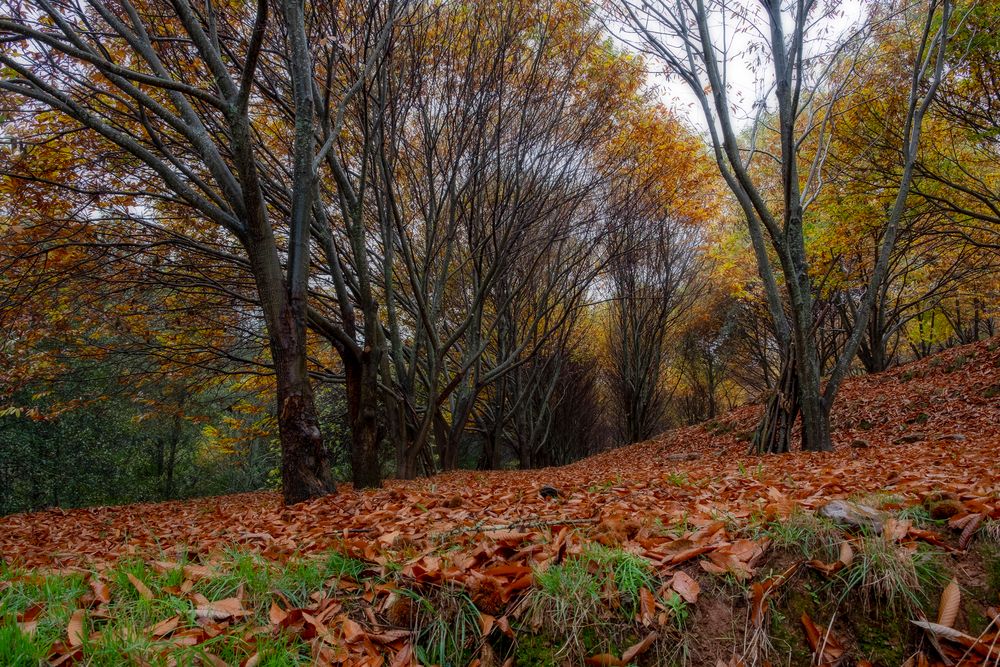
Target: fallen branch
[480,527]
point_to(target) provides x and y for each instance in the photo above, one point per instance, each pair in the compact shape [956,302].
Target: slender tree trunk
[362,413]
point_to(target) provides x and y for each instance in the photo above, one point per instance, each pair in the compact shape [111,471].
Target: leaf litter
[488,532]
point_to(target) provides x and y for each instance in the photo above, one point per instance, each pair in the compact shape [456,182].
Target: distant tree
[693,42]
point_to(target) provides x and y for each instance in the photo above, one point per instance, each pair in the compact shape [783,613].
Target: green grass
[920,516]
[886,575]
[448,624]
[629,572]
[58,595]
[588,603]
[121,633]
[678,479]
[802,531]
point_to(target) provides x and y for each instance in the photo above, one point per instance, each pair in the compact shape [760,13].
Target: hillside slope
[918,441]
[951,402]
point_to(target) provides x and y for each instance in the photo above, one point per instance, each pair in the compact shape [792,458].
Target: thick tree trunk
[305,471]
[815,414]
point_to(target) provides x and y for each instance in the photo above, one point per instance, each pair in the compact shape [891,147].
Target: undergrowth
[589,604]
[122,632]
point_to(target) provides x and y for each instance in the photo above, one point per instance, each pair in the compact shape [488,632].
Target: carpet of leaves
[927,427]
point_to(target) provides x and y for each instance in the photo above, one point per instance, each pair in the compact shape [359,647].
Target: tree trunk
[798,392]
[362,413]
[305,471]
[815,413]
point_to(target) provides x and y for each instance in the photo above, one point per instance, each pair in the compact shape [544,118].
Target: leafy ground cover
[683,549]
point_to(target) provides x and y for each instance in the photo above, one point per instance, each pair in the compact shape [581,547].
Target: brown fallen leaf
[647,607]
[632,652]
[352,631]
[846,554]
[142,588]
[951,598]
[685,586]
[969,530]
[405,656]
[74,630]
[276,615]
[825,647]
[101,591]
[604,660]
[213,660]
[197,572]
[389,636]
[27,620]
[164,627]
[221,609]
[761,591]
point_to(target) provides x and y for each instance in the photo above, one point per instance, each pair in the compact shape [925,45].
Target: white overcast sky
[746,84]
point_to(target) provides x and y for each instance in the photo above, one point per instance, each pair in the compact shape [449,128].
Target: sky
[748,82]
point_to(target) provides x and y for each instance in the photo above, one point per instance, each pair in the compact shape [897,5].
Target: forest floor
[681,550]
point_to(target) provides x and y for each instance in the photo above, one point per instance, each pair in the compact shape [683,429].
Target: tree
[185,116]
[693,41]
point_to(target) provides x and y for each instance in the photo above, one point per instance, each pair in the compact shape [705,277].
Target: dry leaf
[846,554]
[686,587]
[951,598]
[221,610]
[638,649]
[101,592]
[142,588]
[74,631]
[647,607]
[276,615]
[969,531]
[164,627]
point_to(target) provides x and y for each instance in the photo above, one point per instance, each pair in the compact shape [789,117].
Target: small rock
[853,515]
[953,437]
[911,437]
[548,492]
[859,443]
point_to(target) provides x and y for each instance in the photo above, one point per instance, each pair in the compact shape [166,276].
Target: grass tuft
[887,575]
[446,623]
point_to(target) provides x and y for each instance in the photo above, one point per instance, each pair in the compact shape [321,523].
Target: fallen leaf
[352,631]
[969,530]
[951,598]
[142,588]
[686,587]
[164,627]
[221,610]
[101,592]
[846,554]
[74,631]
[639,648]
[647,607]
[276,615]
